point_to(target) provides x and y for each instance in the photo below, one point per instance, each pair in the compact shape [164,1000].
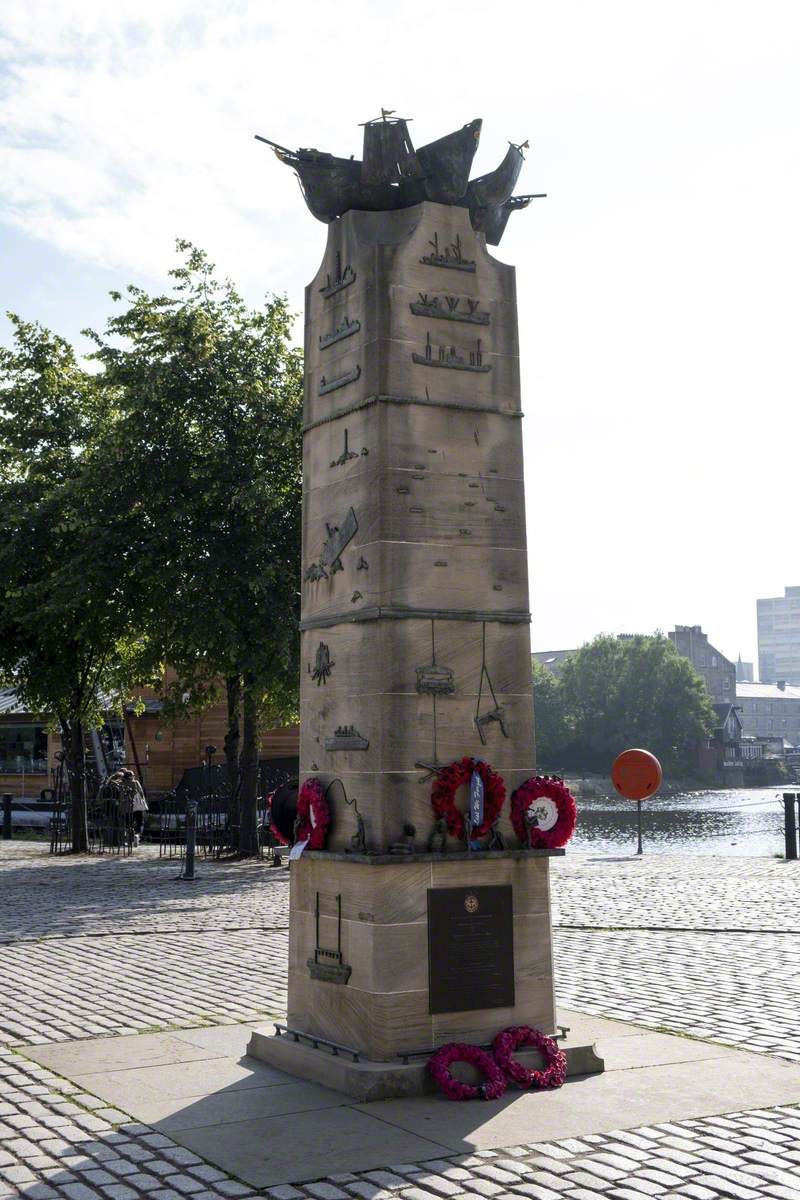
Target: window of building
[23,749]
[713,660]
[726,684]
[702,660]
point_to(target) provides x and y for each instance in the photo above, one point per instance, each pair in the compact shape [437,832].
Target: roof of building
[552,659]
[9,704]
[722,710]
[766,691]
[12,706]
[548,657]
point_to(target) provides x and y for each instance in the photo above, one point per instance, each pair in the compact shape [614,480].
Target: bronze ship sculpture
[393,175]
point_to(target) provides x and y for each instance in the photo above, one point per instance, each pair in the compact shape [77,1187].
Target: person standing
[134,801]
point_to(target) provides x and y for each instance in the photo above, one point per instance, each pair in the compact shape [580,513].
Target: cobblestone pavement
[103,946]
[669,892]
[100,986]
[45,897]
[738,989]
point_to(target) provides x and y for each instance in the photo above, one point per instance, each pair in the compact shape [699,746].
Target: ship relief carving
[342,279]
[345,330]
[449,358]
[449,308]
[332,385]
[346,737]
[450,256]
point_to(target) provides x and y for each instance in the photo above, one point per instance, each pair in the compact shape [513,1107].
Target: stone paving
[110,946]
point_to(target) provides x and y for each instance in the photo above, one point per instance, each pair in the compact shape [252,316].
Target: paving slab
[236,1106]
[227,1040]
[89,1055]
[595,1104]
[138,1087]
[271,1150]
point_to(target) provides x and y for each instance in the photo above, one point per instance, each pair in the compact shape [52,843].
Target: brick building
[718,672]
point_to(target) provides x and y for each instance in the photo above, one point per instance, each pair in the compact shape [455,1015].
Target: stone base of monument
[391,957]
[365,1080]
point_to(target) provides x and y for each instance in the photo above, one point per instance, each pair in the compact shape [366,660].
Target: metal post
[191,838]
[7,798]
[639,825]
[790,823]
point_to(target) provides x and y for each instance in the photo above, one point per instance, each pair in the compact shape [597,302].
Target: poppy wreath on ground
[450,779]
[509,1040]
[555,812]
[313,815]
[439,1065]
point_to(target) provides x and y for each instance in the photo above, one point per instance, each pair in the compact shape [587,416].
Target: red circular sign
[636,774]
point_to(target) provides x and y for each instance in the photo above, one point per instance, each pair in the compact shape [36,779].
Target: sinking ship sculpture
[393,175]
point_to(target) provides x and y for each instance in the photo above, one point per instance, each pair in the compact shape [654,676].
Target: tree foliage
[204,456]
[150,514]
[69,640]
[617,692]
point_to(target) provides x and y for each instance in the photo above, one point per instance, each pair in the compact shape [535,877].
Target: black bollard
[7,798]
[191,838]
[790,824]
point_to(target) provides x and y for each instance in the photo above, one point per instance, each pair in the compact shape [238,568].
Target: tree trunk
[233,687]
[72,735]
[248,795]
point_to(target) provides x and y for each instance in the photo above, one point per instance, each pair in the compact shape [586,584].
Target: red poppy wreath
[313,815]
[543,813]
[509,1040]
[439,1068]
[451,778]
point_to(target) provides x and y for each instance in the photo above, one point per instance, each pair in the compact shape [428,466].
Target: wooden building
[159,751]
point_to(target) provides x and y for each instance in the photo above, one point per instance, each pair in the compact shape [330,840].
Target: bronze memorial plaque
[470,948]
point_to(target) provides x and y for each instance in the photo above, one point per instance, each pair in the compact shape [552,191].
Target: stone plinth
[383,1010]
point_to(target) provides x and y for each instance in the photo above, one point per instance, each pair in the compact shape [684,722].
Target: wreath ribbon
[447,783]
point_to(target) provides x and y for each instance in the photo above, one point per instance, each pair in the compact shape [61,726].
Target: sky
[657,283]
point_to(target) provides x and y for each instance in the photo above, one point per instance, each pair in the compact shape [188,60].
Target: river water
[736,821]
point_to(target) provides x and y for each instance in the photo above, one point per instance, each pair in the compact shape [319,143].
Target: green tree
[549,717]
[633,691]
[68,638]
[205,452]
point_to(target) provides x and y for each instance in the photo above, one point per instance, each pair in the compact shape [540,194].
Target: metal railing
[790,823]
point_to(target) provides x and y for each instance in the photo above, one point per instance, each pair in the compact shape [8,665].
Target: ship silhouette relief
[451,256]
[342,279]
[346,737]
[345,330]
[449,358]
[432,306]
[331,385]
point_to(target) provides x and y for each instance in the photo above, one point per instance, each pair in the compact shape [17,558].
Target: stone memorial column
[415,644]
